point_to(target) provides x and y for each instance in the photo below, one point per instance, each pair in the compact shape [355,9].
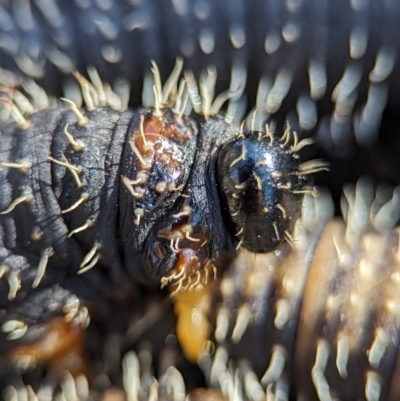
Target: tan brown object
[205,394]
[60,348]
[350,316]
[113,394]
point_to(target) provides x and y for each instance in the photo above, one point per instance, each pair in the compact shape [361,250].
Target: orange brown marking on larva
[191,260]
[158,142]
[176,128]
[206,394]
[60,347]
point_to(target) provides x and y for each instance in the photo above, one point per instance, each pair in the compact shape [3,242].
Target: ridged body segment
[44,205]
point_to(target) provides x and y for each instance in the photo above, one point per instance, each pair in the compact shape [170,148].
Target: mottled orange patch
[191,260]
[192,256]
[152,125]
[158,140]
[60,347]
[113,394]
[179,131]
[205,394]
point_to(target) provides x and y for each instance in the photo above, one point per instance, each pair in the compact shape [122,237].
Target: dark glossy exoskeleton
[263,188]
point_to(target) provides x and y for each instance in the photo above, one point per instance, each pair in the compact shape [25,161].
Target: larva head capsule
[262,187]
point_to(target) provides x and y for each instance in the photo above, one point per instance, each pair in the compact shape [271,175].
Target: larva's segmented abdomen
[351,316]
[44,176]
[58,180]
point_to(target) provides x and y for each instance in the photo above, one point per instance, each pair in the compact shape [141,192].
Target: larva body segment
[57,226]
[355,327]
[65,187]
[182,228]
[324,314]
[156,167]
